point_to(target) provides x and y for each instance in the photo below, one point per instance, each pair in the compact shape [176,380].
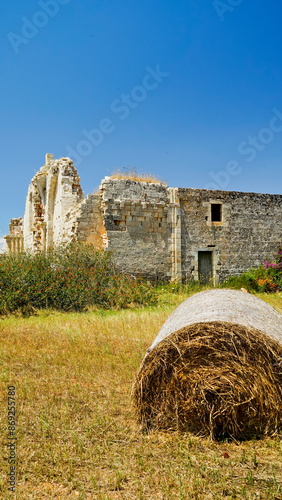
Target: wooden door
[205,266]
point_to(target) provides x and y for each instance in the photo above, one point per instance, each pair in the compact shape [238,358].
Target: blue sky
[189,91]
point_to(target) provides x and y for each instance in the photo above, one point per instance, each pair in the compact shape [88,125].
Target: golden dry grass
[132,175]
[76,431]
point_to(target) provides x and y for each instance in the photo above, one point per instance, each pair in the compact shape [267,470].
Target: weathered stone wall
[250,231]
[53,191]
[15,227]
[85,223]
[68,194]
[151,229]
[14,241]
[137,220]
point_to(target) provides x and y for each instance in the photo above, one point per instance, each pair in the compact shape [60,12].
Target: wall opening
[30,211]
[216,212]
[205,270]
[44,196]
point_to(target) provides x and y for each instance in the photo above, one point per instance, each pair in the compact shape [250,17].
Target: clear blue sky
[181,88]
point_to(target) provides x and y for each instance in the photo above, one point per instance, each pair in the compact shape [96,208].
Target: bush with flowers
[272,281]
[67,278]
[267,278]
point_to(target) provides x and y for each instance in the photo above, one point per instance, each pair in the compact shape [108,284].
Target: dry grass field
[77,437]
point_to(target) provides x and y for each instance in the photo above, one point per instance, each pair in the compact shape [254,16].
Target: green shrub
[267,278]
[247,280]
[67,278]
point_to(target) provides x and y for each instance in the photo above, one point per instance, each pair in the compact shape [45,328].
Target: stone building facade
[153,230]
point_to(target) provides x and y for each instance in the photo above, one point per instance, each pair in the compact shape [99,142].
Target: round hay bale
[215,368]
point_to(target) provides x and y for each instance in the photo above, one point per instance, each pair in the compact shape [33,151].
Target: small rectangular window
[216,212]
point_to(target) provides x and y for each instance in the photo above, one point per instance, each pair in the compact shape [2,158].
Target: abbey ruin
[152,229]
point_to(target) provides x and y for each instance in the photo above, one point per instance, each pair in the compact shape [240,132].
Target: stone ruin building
[153,230]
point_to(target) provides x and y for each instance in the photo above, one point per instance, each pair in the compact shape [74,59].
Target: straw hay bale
[215,368]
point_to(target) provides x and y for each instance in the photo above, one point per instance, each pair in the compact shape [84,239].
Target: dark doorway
[205,266]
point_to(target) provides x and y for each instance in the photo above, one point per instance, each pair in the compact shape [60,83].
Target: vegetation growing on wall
[132,175]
